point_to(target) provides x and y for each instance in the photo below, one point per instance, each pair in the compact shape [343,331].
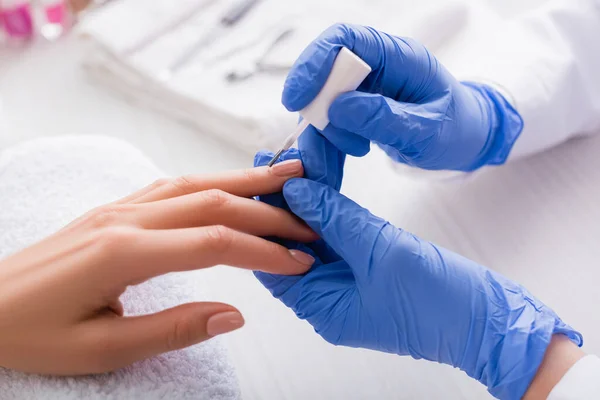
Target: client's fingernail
[287,168]
[225,322]
[302,257]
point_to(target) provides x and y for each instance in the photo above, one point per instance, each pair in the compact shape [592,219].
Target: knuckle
[183,185]
[215,198]
[181,334]
[337,29]
[219,238]
[334,27]
[161,182]
[113,240]
[106,216]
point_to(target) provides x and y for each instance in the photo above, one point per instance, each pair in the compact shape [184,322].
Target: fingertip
[302,233]
[224,322]
[284,287]
[287,262]
[361,148]
[287,169]
[168,330]
[311,235]
[323,161]
[300,87]
[347,142]
[311,70]
[305,259]
[263,157]
[291,97]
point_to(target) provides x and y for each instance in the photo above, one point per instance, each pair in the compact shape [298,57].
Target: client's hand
[59,299]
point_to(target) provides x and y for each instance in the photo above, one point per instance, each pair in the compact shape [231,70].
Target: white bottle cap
[346,75]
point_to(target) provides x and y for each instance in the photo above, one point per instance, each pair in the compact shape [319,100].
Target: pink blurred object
[17,19]
[56,13]
[56,18]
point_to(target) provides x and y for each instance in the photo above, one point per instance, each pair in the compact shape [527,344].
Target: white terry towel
[46,183]
[248,114]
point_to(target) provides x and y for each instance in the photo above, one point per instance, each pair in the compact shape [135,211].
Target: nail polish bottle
[55,18]
[17,20]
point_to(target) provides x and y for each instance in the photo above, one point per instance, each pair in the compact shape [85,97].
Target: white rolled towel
[46,183]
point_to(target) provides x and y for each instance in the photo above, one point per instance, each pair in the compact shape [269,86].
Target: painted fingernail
[302,257]
[287,168]
[224,322]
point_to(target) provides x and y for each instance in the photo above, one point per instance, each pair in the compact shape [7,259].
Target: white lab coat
[547,63]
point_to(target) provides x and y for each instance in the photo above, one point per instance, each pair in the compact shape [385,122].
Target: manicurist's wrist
[504,124]
[560,356]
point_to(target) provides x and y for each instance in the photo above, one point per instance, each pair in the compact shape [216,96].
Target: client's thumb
[173,329]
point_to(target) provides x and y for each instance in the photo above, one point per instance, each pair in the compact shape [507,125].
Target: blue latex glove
[378,287]
[410,105]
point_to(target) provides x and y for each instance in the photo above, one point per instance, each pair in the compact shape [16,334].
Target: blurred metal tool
[243,46]
[258,65]
[186,15]
[238,11]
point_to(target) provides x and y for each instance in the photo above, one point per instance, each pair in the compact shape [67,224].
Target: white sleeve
[548,63]
[581,382]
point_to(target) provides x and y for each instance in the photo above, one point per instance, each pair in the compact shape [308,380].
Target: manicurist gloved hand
[378,287]
[410,105]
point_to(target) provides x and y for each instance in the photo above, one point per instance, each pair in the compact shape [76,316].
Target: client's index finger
[243,183]
[260,180]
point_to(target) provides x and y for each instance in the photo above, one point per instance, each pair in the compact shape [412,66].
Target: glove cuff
[512,379]
[506,125]
[516,338]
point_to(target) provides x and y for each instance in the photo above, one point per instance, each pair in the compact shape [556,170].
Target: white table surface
[535,221]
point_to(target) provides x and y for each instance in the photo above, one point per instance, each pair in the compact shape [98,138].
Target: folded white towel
[44,184]
[246,114]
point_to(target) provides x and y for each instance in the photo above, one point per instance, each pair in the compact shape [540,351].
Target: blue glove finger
[350,230]
[322,157]
[404,130]
[322,161]
[381,119]
[401,66]
[311,69]
[347,142]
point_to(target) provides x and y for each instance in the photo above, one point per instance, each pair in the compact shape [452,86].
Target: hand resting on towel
[60,312]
